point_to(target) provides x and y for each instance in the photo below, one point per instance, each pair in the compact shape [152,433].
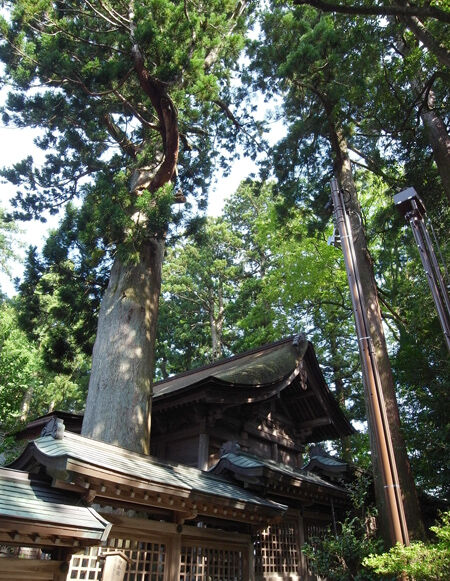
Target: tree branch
[393,10]
[120,137]
[427,39]
[167,116]
[212,56]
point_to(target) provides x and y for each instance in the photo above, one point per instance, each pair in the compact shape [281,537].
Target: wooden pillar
[173,558]
[64,556]
[203,451]
[249,564]
[61,573]
[301,541]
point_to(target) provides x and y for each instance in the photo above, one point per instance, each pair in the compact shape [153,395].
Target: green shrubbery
[354,552]
[420,561]
[339,557]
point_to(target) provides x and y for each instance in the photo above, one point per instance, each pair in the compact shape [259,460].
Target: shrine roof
[48,510]
[287,369]
[262,366]
[74,455]
[247,464]
[327,461]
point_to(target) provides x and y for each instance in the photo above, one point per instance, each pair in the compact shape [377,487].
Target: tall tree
[307,56]
[201,277]
[415,35]
[126,83]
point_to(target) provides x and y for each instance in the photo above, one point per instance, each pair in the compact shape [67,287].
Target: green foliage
[27,387]
[201,278]
[60,294]
[419,561]
[7,231]
[339,557]
[98,119]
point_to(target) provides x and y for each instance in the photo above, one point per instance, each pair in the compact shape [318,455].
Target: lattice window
[200,563]
[85,565]
[277,551]
[148,561]
[314,529]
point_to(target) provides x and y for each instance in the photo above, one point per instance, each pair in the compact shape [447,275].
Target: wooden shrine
[223,496]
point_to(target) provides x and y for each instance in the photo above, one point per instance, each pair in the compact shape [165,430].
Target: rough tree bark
[216,324]
[439,140]
[346,453]
[124,352]
[343,171]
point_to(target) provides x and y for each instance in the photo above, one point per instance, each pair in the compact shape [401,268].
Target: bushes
[339,557]
[420,561]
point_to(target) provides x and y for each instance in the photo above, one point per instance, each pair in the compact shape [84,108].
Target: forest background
[263,269]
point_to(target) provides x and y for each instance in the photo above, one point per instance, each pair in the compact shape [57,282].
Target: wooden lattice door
[203,562]
[147,561]
[277,552]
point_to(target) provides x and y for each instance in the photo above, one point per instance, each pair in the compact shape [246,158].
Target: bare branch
[228,113]
[134,111]
[110,19]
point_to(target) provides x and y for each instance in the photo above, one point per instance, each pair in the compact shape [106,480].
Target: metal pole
[437,271]
[418,236]
[410,205]
[372,382]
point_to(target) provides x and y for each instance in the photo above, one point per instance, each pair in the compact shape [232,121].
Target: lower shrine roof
[102,465]
[45,511]
[252,469]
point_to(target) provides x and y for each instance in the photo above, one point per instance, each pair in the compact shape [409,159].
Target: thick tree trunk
[118,408]
[412,509]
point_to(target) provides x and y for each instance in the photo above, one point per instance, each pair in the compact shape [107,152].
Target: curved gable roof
[259,375]
[263,366]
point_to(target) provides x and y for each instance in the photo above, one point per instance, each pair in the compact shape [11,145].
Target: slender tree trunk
[216,326]
[423,36]
[26,403]
[412,509]
[118,408]
[434,127]
[438,139]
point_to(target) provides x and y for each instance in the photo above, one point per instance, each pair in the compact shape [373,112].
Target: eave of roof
[71,421]
[32,512]
[104,471]
[327,463]
[269,471]
[259,375]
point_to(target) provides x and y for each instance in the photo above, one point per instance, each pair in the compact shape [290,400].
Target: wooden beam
[316,423]
[36,569]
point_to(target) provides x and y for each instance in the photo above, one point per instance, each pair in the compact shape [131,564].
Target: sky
[18,143]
